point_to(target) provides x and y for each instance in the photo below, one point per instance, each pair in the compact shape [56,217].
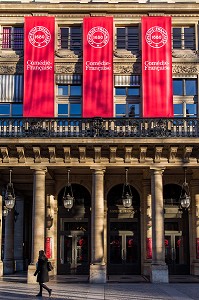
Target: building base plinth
[195,268]
[30,274]
[159,274]
[97,273]
[8,267]
[1,268]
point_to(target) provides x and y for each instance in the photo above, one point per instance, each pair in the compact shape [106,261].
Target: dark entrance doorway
[123,234]
[176,225]
[74,234]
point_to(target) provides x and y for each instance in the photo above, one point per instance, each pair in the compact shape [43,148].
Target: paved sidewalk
[109,291]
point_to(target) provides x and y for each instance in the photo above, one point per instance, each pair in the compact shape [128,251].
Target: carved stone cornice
[68,53]
[184,53]
[123,53]
[127,68]
[68,68]
[182,68]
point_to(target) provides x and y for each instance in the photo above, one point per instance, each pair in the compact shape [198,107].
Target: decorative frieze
[21,154]
[5,154]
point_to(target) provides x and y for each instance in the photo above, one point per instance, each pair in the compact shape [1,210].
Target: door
[175,253]
[124,253]
[74,253]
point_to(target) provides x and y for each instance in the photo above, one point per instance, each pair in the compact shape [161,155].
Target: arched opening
[74,233]
[123,233]
[176,225]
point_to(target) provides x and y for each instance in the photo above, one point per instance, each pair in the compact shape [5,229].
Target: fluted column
[97,267]
[159,269]
[8,260]
[38,219]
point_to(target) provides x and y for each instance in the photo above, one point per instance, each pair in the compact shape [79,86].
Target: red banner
[157,67]
[48,247]
[98,67]
[149,248]
[39,67]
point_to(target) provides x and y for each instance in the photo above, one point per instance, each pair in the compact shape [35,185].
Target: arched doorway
[176,225]
[74,233]
[123,233]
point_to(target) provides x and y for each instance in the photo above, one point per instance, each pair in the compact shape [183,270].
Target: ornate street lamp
[9,197]
[68,198]
[185,198]
[126,193]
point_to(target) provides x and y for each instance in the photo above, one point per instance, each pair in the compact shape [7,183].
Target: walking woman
[42,273]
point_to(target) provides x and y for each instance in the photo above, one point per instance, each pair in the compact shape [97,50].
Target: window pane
[133,91]
[18,39]
[75,42]
[75,110]
[120,110]
[17,110]
[178,87]
[5,109]
[64,37]
[63,90]
[189,38]
[133,38]
[191,110]
[178,110]
[75,90]
[6,43]
[177,38]
[63,109]
[120,91]
[134,110]
[191,89]
[120,38]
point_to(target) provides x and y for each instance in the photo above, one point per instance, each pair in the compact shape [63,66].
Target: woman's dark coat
[42,270]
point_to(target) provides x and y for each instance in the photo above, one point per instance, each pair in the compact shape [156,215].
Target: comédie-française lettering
[156,65]
[42,65]
[98,65]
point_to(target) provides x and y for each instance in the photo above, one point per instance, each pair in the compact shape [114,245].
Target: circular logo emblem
[156,37]
[39,36]
[98,37]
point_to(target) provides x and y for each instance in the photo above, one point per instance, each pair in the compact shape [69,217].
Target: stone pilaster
[159,269]
[38,220]
[97,267]
[18,234]
[147,228]
[8,260]
[194,237]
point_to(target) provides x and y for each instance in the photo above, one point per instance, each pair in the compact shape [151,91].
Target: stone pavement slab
[108,291]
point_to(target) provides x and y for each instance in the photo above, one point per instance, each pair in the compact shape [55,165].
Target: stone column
[18,234]
[147,230]
[8,261]
[159,269]
[38,220]
[194,234]
[1,228]
[97,267]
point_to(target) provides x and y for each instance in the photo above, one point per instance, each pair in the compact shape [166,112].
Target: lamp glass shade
[127,200]
[185,201]
[68,201]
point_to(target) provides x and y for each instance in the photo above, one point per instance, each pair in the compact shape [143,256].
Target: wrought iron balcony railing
[98,127]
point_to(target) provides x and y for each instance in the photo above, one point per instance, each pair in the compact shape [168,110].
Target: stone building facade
[98,236]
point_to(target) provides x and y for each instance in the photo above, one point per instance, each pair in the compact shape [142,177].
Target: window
[70,90]
[184,38]
[8,110]
[127,38]
[127,91]
[13,38]
[63,110]
[127,110]
[185,87]
[72,110]
[11,88]
[185,97]
[71,38]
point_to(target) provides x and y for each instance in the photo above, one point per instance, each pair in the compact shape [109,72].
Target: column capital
[157,170]
[39,169]
[98,169]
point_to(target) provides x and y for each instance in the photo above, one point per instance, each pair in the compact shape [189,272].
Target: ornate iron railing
[99,127]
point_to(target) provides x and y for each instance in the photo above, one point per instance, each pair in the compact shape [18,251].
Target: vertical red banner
[39,67]
[157,88]
[98,67]
[149,248]
[48,247]
[197,248]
